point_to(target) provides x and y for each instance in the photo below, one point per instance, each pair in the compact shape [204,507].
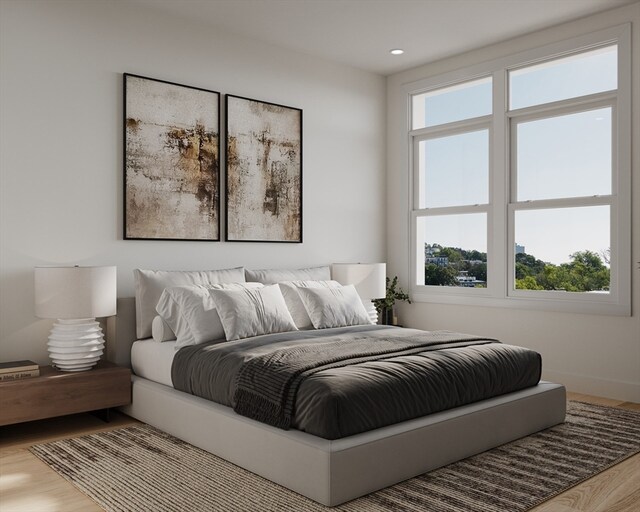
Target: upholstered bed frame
[332,472]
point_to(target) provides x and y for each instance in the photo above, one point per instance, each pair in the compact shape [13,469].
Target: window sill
[594,307]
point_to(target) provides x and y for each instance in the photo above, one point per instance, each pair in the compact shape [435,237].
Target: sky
[563,156]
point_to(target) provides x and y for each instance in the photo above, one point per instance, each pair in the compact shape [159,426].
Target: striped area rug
[140,468]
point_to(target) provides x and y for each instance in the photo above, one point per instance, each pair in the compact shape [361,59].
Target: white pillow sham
[149,285]
[191,312]
[272,276]
[160,330]
[294,302]
[334,307]
[252,312]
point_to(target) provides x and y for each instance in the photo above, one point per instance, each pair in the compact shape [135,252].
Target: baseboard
[617,390]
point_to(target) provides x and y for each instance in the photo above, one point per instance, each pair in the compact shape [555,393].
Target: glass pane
[454,248]
[561,79]
[454,170]
[565,156]
[455,103]
[564,249]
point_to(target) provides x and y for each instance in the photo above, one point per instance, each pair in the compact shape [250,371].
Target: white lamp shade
[75,292]
[368,278]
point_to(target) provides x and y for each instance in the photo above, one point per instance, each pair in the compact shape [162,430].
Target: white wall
[589,354]
[61,147]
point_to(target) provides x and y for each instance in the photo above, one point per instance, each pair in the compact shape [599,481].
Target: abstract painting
[264,171]
[171,161]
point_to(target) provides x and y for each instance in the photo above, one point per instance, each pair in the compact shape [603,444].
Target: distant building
[430,251]
[520,249]
[464,279]
[441,261]
[431,256]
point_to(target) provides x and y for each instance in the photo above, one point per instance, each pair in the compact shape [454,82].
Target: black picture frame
[202,190]
[283,173]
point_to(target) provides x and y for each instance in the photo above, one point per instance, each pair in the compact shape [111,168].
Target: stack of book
[14,370]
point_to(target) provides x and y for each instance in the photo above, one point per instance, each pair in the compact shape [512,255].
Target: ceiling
[361,32]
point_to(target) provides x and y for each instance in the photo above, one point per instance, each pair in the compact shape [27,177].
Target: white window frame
[500,291]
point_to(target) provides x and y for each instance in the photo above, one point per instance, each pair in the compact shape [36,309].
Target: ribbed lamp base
[371,310]
[75,345]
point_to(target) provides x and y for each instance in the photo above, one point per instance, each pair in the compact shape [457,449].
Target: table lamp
[75,296]
[369,280]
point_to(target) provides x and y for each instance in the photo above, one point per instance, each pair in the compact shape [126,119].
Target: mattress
[152,360]
[364,394]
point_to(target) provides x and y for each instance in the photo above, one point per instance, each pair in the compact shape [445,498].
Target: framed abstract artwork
[171,161]
[263,171]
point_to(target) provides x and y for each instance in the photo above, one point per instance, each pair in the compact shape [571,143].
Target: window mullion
[416,184]
[563,202]
[498,174]
[452,210]
[467,125]
[568,106]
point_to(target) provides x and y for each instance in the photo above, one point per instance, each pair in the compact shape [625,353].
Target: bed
[329,471]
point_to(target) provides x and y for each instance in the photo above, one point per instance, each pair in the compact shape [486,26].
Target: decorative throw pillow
[280,275]
[252,312]
[294,302]
[334,307]
[149,285]
[160,330]
[191,312]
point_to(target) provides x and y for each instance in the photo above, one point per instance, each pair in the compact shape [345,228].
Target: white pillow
[191,312]
[149,285]
[252,312]
[280,275]
[334,307]
[160,330]
[294,302]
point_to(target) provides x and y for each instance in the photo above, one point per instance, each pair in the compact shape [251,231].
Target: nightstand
[56,393]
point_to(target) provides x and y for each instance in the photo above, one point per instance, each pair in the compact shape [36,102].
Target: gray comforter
[353,393]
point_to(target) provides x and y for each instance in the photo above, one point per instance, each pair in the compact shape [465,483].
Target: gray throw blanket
[267,385]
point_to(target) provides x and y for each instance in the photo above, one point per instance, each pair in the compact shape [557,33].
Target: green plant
[394,293]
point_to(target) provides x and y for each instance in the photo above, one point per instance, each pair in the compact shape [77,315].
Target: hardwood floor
[29,485]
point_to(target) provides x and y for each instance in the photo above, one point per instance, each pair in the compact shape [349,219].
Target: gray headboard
[121,332]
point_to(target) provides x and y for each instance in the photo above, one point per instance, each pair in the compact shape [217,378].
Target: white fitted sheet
[152,360]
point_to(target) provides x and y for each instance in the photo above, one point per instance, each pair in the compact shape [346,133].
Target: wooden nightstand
[56,393]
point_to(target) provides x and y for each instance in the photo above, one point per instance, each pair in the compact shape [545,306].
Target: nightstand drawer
[56,393]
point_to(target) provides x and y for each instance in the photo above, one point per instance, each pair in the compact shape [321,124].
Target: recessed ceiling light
[396,51]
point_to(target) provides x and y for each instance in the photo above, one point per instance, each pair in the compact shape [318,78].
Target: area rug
[140,468]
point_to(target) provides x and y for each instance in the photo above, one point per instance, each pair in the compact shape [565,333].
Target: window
[454,169]
[461,101]
[579,74]
[521,180]
[455,250]
[452,184]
